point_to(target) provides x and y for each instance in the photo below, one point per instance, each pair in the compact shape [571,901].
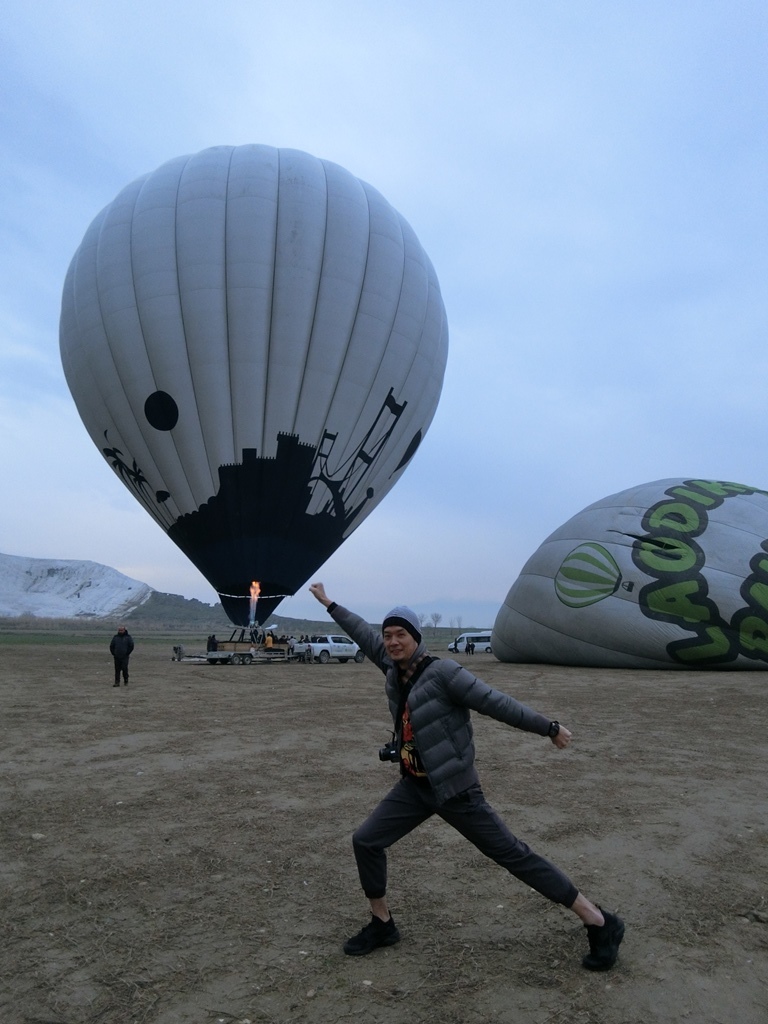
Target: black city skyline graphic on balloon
[257,526]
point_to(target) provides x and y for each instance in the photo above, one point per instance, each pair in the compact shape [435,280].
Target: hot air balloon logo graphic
[256,341]
[587,575]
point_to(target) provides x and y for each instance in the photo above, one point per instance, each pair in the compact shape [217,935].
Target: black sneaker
[604,943]
[377,933]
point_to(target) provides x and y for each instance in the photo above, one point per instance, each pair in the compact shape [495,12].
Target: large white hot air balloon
[256,341]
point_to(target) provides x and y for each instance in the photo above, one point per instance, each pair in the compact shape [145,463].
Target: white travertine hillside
[55,588]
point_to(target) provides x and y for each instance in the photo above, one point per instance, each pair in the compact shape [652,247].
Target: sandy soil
[177,851]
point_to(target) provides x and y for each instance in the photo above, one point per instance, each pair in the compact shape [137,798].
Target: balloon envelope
[668,574]
[256,341]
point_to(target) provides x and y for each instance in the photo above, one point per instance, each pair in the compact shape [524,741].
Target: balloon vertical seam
[296,511]
[226,292]
[268,354]
[147,462]
[184,317]
[314,312]
[348,454]
[181,312]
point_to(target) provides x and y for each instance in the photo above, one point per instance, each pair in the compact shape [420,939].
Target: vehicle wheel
[236,659]
[323,657]
[359,657]
[247,659]
[487,650]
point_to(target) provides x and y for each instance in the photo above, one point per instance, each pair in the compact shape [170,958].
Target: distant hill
[172,610]
[50,588]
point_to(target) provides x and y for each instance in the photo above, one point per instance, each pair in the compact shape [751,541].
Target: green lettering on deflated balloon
[670,556]
[717,647]
[674,602]
[677,516]
[686,493]
[753,634]
[758,593]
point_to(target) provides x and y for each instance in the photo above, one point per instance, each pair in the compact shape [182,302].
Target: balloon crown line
[247,597]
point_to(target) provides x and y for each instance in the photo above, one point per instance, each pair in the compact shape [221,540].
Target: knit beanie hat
[405,617]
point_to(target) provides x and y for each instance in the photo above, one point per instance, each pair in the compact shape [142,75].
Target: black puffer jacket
[121,645]
[440,702]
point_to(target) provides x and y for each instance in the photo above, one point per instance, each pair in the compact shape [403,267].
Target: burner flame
[255,591]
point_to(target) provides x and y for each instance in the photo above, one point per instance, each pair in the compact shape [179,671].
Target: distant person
[430,700]
[213,643]
[268,641]
[121,648]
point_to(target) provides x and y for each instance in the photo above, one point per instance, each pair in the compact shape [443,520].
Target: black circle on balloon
[161,411]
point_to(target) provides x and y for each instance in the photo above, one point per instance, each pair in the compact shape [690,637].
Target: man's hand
[563,738]
[318,590]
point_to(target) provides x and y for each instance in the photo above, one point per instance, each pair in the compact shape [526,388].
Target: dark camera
[389,752]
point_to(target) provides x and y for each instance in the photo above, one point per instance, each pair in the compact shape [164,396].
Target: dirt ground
[178,851]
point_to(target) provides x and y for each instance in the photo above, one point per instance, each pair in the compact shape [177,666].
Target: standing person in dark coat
[430,700]
[120,648]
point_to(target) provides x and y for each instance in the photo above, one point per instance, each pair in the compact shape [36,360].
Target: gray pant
[408,804]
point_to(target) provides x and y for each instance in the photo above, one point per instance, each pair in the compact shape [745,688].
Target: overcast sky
[588,178]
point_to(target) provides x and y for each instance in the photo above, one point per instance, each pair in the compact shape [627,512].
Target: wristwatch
[554,729]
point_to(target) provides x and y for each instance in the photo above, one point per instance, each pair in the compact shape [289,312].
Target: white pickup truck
[331,645]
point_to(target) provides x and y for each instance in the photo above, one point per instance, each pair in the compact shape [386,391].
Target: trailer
[246,646]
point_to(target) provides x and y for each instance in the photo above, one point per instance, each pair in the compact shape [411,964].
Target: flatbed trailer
[279,652]
[244,647]
[235,653]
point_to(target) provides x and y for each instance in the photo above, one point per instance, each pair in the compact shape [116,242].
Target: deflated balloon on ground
[667,574]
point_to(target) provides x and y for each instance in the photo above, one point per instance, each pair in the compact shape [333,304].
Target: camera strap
[406,691]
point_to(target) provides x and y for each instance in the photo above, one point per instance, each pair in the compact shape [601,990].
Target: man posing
[430,700]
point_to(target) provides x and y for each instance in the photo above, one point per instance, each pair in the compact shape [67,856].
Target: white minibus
[482,642]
